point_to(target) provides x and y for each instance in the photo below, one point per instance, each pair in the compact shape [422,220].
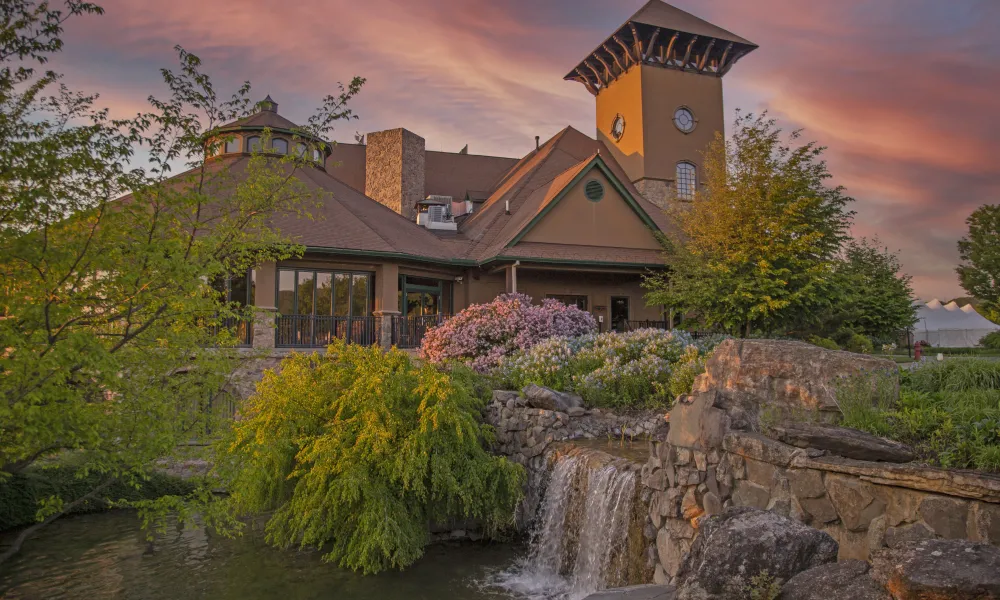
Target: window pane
[238,290]
[686,181]
[430,304]
[286,292]
[324,294]
[342,295]
[300,150]
[279,145]
[359,306]
[252,293]
[307,280]
[253,143]
[233,144]
[413,304]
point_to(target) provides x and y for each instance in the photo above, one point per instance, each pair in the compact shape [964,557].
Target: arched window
[253,143]
[233,144]
[279,145]
[687,180]
[317,156]
[300,150]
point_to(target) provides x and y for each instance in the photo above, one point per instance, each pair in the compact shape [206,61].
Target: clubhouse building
[408,235]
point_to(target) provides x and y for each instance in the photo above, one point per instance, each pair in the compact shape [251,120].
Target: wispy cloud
[901,91]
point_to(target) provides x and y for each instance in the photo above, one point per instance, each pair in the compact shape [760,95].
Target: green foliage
[859,343]
[864,400]
[682,377]
[822,342]
[757,249]
[104,308]
[358,451]
[979,251]
[948,411]
[763,586]
[21,495]
[991,341]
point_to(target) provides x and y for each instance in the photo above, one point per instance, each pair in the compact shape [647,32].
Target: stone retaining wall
[714,457]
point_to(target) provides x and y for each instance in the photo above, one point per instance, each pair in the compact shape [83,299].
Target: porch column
[265,284]
[386,300]
[511,273]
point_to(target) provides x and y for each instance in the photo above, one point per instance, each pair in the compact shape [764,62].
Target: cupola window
[300,150]
[253,143]
[687,180]
[279,145]
[232,144]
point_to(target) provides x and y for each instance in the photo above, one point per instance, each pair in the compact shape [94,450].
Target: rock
[713,505]
[939,570]
[914,532]
[806,483]
[985,525]
[671,552]
[503,396]
[854,500]
[947,517]
[690,508]
[791,376]
[750,494]
[846,580]
[549,399]
[695,422]
[842,441]
[636,592]
[576,411]
[741,543]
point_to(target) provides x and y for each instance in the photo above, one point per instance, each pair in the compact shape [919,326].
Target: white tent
[951,326]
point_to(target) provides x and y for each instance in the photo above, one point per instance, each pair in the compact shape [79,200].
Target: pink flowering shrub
[483,334]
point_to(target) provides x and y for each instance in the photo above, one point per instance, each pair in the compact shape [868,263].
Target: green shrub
[685,371]
[823,342]
[21,495]
[865,399]
[991,341]
[359,450]
[859,343]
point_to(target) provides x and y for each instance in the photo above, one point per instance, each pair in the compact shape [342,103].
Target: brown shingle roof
[661,14]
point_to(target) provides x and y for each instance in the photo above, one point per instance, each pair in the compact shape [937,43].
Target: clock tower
[658,84]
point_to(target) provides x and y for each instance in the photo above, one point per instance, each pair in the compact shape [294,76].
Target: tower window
[687,180]
[279,145]
[684,119]
[594,190]
[300,150]
[233,144]
[253,143]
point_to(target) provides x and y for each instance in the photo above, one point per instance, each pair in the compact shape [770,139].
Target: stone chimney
[394,170]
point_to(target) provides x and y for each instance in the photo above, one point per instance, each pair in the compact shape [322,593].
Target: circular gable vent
[594,190]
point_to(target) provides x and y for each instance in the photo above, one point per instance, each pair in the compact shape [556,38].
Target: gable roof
[536,184]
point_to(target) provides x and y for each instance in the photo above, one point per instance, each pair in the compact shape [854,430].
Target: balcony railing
[240,329]
[408,332]
[310,331]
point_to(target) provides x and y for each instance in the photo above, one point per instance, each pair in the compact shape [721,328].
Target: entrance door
[619,313]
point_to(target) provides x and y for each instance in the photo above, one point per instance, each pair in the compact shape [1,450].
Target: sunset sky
[904,92]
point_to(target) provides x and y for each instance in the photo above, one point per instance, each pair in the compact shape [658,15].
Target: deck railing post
[263,328]
[385,321]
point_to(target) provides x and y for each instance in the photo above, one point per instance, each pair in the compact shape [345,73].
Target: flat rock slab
[848,580]
[636,592]
[542,397]
[842,441]
[743,542]
[939,570]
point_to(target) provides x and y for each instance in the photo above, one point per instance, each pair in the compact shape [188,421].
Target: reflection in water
[102,556]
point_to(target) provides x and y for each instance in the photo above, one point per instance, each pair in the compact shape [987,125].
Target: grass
[948,411]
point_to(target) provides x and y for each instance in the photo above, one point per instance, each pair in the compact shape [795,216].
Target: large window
[279,145]
[324,293]
[233,144]
[422,297]
[253,143]
[570,300]
[687,180]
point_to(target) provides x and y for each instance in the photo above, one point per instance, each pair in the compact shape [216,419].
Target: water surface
[103,556]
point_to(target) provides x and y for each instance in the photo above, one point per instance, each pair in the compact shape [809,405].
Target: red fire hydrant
[917,348]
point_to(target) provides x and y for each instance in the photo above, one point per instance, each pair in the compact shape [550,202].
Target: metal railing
[240,329]
[311,331]
[633,325]
[408,332]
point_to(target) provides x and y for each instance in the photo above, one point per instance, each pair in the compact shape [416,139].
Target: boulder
[842,441]
[542,397]
[635,592]
[742,542]
[791,376]
[846,580]
[697,422]
[939,569]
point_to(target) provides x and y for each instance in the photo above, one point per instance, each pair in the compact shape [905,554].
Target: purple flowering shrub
[483,334]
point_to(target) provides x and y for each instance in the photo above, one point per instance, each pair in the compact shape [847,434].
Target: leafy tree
[756,249]
[105,309]
[979,251]
[358,451]
[876,297]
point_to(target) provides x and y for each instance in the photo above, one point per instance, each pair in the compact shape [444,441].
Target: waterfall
[580,541]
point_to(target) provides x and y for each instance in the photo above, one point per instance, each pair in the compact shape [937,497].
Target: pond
[102,556]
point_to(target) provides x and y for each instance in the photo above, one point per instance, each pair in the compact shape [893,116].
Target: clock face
[684,119]
[618,127]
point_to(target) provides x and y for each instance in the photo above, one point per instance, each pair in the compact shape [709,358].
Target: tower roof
[665,36]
